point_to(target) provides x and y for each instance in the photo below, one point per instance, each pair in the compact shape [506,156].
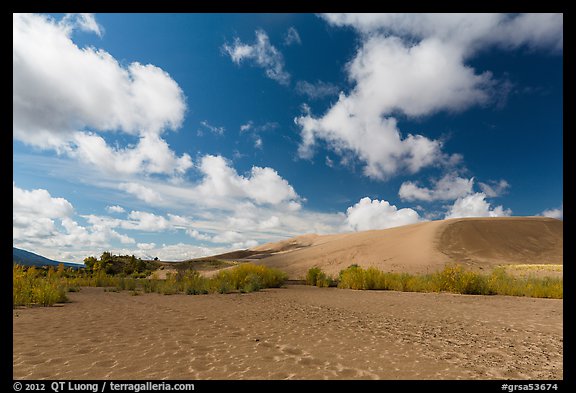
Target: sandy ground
[296,332]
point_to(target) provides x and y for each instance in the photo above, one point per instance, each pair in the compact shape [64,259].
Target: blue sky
[183,135]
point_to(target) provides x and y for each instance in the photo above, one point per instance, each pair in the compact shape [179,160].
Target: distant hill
[28,258]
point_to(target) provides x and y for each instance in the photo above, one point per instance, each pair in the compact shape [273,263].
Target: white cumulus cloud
[46,225]
[145,221]
[39,202]
[262,185]
[390,77]
[228,237]
[83,21]
[554,213]
[374,214]
[415,65]
[195,234]
[141,192]
[115,209]
[61,90]
[373,139]
[472,30]
[151,155]
[146,246]
[475,205]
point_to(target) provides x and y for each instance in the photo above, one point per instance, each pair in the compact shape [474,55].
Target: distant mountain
[28,258]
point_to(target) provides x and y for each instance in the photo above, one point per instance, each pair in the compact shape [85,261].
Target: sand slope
[479,243]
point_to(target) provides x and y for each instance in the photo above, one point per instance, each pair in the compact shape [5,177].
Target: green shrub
[323,280]
[167,289]
[315,276]
[102,279]
[150,285]
[500,282]
[252,283]
[121,283]
[446,279]
[312,275]
[372,278]
[420,283]
[223,286]
[22,284]
[47,293]
[472,283]
[547,287]
[130,284]
[194,284]
[236,277]
[351,278]
[35,286]
[170,286]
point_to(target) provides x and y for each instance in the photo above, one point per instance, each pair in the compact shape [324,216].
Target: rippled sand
[296,332]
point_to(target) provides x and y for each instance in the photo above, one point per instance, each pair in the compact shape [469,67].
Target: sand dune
[296,332]
[479,243]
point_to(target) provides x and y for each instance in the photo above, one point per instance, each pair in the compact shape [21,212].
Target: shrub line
[453,279]
[47,287]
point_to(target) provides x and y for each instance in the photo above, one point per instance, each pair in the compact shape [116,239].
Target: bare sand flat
[296,332]
[478,243]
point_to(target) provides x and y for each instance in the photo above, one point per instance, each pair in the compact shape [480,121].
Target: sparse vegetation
[315,276]
[248,275]
[312,275]
[36,286]
[46,287]
[453,278]
[324,281]
[252,283]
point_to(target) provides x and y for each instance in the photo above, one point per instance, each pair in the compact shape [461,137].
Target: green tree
[107,262]
[140,265]
[89,262]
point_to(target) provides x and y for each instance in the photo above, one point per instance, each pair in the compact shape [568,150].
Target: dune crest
[479,243]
